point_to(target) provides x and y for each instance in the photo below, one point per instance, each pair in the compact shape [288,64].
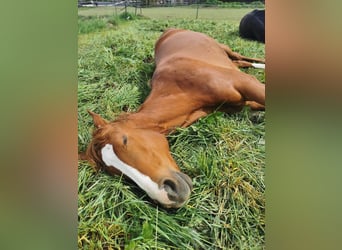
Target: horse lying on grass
[194,76]
[252,26]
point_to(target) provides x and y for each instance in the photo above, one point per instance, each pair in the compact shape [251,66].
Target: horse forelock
[94,148]
[101,136]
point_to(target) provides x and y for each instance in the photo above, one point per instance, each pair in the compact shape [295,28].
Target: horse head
[141,154]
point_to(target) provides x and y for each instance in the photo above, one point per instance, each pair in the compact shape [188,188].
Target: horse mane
[126,117]
[99,139]
[122,117]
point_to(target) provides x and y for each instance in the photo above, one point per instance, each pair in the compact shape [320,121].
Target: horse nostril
[178,187]
[171,189]
[170,184]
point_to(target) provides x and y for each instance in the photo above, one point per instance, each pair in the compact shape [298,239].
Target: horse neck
[165,114]
[144,121]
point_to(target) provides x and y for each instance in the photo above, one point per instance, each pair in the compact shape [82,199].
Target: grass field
[223,154]
[227,14]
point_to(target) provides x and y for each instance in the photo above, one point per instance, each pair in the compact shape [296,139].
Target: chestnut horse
[194,76]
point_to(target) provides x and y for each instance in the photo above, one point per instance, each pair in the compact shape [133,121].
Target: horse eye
[124,139]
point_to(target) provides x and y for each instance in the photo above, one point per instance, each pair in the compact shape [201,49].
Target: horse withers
[194,76]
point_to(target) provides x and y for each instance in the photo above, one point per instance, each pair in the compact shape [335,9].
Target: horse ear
[99,122]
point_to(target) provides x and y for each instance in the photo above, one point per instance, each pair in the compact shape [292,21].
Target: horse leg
[255,106]
[238,89]
[245,64]
[195,116]
[234,56]
[252,91]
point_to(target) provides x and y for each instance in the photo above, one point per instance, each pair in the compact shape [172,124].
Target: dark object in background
[252,26]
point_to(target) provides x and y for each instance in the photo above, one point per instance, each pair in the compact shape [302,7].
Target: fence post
[126,8]
[197,8]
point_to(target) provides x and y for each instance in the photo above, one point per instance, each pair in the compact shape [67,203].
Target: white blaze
[143,181]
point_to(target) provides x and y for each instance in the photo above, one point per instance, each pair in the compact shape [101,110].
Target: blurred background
[38,76]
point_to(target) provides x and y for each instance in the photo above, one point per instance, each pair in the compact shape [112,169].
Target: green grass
[227,14]
[91,23]
[224,154]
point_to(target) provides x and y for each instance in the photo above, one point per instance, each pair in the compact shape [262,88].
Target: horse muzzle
[178,188]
